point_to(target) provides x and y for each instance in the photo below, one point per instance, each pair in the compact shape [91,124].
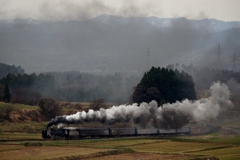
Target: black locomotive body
[79,133]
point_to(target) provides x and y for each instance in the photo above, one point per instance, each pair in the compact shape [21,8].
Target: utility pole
[218,58]
[234,62]
[148,58]
[124,87]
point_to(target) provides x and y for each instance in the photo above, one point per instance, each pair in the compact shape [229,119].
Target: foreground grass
[234,123]
[233,140]
[13,145]
[45,152]
[176,147]
[231,153]
[113,143]
[30,127]
[5,137]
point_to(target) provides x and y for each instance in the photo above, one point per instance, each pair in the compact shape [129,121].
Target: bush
[78,106]
[6,94]
[32,144]
[49,107]
[26,96]
[97,104]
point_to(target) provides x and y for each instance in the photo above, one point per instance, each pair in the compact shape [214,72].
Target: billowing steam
[168,116]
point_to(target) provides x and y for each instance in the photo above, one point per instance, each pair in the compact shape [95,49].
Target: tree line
[5,69]
[66,86]
[24,88]
[204,77]
[169,86]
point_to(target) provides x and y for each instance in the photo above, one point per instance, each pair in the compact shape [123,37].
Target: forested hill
[5,69]
[70,86]
[118,87]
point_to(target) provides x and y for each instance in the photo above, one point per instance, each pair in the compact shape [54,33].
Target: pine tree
[164,85]
[6,94]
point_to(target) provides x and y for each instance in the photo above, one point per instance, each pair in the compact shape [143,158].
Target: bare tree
[26,96]
[97,104]
[49,107]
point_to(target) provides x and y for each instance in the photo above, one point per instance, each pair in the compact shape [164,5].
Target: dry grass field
[143,156]
[231,153]
[191,148]
[19,152]
[175,147]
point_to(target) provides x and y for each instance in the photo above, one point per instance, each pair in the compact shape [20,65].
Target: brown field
[175,147]
[19,152]
[19,136]
[231,153]
[118,142]
[143,156]
[124,148]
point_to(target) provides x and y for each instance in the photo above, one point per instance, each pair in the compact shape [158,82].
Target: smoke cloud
[60,10]
[167,116]
[77,10]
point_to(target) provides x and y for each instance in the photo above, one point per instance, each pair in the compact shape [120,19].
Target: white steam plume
[168,116]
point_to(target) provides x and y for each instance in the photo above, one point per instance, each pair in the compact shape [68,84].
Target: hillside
[19,113]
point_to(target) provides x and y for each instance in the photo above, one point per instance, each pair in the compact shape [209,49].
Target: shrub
[32,144]
[49,107]
[26,96]
[78,106]
[97,104]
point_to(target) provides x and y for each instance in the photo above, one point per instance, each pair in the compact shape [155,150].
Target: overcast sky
[227,10]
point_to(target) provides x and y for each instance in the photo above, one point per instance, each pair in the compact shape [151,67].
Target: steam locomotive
[79,133]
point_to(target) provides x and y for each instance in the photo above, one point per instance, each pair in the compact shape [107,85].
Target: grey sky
[227,10]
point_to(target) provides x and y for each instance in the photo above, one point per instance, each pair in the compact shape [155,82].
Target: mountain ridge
[110,43]
[155,21]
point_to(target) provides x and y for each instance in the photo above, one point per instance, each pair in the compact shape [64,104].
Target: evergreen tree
[164,85]
[1,92]
[6,94]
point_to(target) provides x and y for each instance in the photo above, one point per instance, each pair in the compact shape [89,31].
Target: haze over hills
[111,44]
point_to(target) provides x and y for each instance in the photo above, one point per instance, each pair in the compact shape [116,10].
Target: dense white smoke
[168,116]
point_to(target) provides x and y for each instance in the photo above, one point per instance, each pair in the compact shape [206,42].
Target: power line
[124,87]
[218,58]
[148,58]
[234,62]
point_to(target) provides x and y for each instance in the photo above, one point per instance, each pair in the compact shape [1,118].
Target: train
[80,133]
